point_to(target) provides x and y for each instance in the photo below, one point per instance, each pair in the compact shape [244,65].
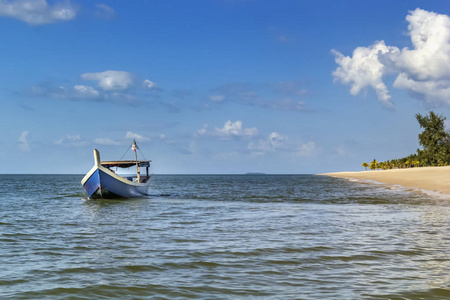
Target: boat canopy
[125,163]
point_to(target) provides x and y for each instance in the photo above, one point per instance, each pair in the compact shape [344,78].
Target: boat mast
[134,146]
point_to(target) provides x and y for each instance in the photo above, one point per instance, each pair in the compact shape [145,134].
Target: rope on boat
[142,154]
[128,148]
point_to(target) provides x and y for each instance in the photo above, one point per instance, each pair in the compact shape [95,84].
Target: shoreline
[426,178]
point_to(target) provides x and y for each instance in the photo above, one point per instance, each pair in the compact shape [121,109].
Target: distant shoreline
[426,178]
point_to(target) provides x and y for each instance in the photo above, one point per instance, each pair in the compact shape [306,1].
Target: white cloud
[135,136]
[364,69]
[86,91]
[113,89]
[276,140]
[424,71]
[202,130]
[72,140]
[23,141]
[150,85]
[430,36]
[229,130]
[433,92]
[111,80]
[37,12]
[106,142]
[234,130]
[78,92]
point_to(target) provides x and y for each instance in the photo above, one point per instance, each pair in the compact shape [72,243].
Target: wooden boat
[101,182]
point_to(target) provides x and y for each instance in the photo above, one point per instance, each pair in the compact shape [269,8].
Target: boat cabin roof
[125,163]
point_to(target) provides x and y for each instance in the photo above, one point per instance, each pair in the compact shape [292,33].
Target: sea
[223,237]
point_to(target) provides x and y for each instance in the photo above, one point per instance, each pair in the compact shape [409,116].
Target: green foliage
[373,165]
[435,143]
[434,140]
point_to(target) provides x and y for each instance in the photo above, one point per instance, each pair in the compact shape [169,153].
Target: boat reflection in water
[101,182]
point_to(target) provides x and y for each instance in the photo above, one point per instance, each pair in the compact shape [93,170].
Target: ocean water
[223,237]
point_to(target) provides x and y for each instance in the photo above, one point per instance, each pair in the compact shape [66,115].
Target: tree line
[435,146]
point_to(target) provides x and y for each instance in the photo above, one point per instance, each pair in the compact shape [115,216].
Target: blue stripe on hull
[92,184]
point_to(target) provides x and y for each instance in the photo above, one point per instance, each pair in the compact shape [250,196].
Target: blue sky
[218,86]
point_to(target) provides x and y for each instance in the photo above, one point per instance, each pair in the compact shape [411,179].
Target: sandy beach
[427,178]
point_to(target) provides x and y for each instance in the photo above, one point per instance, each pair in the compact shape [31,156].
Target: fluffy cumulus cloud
[430,36]
[111,80]
[23,141]
[364,69]
[37,12]
[424,70]
[229,130]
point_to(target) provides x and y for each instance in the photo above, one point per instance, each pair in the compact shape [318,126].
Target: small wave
[142,268]
[358,257]
[77,270]
[12,281]
[398,252]
[7,240]
[191,265]
[188,241]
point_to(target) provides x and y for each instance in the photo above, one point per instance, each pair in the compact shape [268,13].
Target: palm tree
[365,165]
[395,163]
[373,165]
[408,163]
